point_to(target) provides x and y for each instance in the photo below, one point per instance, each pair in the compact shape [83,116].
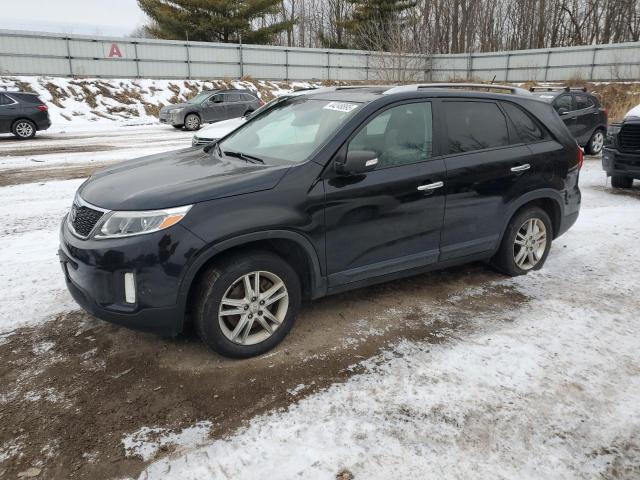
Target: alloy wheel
[253,307]
[597,142]
[24,129]
[192,122]
[530,244]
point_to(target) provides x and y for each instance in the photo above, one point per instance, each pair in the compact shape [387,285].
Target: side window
[216,99]
[231,97]
[475,126]
[583,101]
[400,135]
[247,97]
[4,100]
[563,101]
[527,127]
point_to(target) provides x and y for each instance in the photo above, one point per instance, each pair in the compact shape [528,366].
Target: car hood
[220,129]
[175,106]
[172,179]
[634,112]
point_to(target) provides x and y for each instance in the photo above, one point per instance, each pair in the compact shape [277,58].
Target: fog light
[129,288]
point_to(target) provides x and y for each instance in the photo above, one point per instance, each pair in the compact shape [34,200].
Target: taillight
[606,113]
[43,108]
[580,157]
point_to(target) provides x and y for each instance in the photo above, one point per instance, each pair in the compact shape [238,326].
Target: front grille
[83,219]
[629,137]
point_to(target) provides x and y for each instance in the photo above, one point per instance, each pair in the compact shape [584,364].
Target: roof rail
[470,86]
[559,88]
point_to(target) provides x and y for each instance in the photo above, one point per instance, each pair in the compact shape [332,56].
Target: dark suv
[581,112]
[320,193]
[210,106]
[22,113]
[621,156]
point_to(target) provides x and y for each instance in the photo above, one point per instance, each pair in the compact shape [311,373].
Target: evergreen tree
[213,20]
[378,18]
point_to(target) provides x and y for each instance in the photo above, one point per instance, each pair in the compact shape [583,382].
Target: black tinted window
[526,126]
[563,101]
[247,97]
[231,97]
[475,126]
[583,101]
[4,100]
[400,135]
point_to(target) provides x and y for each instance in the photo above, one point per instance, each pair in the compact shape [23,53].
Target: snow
[146,442]
[546,389]
[634,112]
[33,284]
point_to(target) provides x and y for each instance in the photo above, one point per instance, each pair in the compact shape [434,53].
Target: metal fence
[35,53]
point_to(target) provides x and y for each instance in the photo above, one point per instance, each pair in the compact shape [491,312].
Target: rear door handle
[521,168]
[430,186]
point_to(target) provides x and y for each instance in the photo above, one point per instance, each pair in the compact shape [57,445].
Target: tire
[192,122]
[595,144]
[224,282]
[508,260]
[24,129]
[618,181]
[178,127]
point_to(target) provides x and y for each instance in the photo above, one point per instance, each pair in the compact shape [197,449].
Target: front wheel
[618,181]
[596,142]
[526,243]
[24,129]
[246,304]
[192,122]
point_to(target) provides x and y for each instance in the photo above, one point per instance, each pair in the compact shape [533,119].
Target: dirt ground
[88,383]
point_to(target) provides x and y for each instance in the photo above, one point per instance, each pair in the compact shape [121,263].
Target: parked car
[621,155]
[212,133]
[210,106]
[321,193]
[581,112]
[22,114]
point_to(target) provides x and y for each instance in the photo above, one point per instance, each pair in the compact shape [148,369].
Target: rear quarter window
[528,129]
[474,126]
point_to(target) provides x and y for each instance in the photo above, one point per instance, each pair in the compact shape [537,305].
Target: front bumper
[94,272]
[621,164]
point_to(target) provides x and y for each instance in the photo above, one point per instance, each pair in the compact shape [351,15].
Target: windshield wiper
[244,156]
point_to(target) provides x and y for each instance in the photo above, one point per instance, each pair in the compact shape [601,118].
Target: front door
[214,108]
[484,163]
[388,219]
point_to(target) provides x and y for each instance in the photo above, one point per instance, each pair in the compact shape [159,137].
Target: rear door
[485,162]
[587,117]
[389,219]
[235,105]
[8,112]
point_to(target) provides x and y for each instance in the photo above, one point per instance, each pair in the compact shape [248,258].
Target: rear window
[527,127]
[27,98]
[475,126]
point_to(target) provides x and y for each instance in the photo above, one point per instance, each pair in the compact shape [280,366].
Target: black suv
[210,106]
[621,156]
[581,112]
[23,113]
[320,193]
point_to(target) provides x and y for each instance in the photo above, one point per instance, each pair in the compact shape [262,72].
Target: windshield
[290,130]
[199,98]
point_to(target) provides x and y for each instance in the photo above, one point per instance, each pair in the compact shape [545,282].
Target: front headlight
[613,130]
[127,224]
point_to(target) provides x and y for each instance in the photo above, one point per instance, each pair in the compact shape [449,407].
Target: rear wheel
[596,142]
[618,181]
[526,242]
[24,129]
[192,122]
[246,304]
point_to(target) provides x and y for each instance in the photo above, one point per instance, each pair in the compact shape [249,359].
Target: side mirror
[357,162]
[562,111]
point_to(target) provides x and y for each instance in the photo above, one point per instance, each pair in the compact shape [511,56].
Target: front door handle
[430,186]
[521,168]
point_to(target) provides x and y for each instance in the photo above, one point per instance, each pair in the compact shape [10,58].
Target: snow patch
[146,442]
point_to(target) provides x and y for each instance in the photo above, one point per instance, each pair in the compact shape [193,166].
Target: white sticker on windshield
[340,106]
[547,96]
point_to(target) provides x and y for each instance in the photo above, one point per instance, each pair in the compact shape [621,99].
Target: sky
[95,17]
